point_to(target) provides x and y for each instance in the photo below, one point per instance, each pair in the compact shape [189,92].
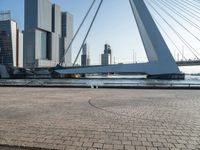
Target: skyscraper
[106,58]
[85,59]
[44,42]
[11,41]
[67,35]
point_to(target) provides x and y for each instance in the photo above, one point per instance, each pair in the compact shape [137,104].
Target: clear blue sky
[115,25]
[108,27]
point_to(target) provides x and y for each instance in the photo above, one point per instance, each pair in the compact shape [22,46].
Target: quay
[94,119]
[111,83]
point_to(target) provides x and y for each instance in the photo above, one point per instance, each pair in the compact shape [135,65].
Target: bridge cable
[159,25]
[197,2]
[190,4]
[96,13]
[164,10]
[185,9]
[180,15]
[193,51]
[185,40]
[178,35]
[188,7]
[80,26]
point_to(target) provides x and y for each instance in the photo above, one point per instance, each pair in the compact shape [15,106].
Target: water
[108,80]
[99,80]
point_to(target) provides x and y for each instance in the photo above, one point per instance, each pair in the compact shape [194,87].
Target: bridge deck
[189,63]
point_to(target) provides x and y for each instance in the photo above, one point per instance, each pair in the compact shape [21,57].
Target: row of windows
[5,60]
[5,53]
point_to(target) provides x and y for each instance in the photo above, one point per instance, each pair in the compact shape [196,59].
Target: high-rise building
[106,58]
[44,42]
[107,49]
[67,35]
[11,41]
[85,59]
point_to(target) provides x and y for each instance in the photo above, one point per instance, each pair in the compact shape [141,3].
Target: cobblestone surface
[91,119]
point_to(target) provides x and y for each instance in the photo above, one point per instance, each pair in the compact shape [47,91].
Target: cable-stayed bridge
[159,23]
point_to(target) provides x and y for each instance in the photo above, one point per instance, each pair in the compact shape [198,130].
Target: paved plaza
[90,119]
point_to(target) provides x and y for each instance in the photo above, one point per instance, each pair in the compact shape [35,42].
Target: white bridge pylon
[161,63]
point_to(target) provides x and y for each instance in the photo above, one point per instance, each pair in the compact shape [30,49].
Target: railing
[188,63]
[70,83]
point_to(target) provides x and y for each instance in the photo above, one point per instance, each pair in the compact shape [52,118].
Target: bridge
[188,63]
[161,63]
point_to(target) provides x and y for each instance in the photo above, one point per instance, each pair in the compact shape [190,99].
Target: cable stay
[179,23]
[185,9]
[197,2]
[75,35]
[159,25]
[190,4]
[96,13]
[180,15]
[193,51]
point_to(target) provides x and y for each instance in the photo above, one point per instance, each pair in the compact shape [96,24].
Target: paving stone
[118,147]
[98,145]
[141,148]
[84,119]
[107,146]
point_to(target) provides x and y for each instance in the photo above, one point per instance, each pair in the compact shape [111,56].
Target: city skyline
[124,38]
[96,48]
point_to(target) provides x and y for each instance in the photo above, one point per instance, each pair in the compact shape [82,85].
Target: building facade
[85,59]
[43,35]
[106,58]
[11,42]
[67,35]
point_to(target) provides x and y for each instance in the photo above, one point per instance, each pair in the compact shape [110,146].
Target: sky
[115,25]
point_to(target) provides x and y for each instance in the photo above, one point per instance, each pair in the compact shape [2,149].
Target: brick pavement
[90,119]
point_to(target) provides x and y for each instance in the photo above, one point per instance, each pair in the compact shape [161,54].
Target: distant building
[11,41]
[67,35]
[47,34]
[106,58]
[85,59]
[107,49]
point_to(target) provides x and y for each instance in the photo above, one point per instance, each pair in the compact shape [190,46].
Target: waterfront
[107,81]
